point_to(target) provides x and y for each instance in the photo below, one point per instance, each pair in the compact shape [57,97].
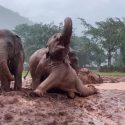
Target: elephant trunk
[4,70]
[67,31]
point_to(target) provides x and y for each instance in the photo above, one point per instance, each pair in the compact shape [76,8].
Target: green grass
[24,73]
[110,73]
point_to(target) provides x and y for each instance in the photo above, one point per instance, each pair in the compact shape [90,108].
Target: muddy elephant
[11,60]
[57,65]
[89,77]
[34,62]
[36,59]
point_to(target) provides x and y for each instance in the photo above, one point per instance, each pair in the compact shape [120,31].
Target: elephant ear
[17,44]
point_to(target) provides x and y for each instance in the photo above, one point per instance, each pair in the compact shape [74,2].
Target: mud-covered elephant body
[37,58]
[61,76]
[11,60]
[56,63]
[34,63]
[89,77]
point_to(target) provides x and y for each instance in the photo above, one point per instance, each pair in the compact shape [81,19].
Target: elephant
[11,60]
[89,77]
[56,64]
[36,59]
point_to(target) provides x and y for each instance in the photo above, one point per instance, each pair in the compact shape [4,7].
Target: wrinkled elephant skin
[56,63]
[11,60]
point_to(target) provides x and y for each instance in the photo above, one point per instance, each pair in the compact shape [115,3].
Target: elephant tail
[26,74]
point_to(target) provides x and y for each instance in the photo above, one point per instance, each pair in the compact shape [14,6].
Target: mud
[113,79]
[105,108]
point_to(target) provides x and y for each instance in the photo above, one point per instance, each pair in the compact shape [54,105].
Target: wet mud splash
[105,108]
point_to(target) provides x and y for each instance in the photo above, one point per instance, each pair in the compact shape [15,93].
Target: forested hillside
[9,19]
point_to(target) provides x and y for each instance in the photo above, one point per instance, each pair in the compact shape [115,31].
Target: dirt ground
[105,108]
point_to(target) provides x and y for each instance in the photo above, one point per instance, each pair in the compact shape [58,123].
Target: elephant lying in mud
[36,60]
[11,60]
[55,63]
[89,77]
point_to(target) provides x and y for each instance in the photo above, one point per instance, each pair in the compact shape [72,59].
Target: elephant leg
[18,81]
[36,79]
[71,95]
[35,83]
[18,75]
[48,83]
[85,90]
[5,84]
[39,75]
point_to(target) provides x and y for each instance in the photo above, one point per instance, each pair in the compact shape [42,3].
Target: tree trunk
[109,60]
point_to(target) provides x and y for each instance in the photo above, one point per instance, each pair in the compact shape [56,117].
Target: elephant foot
[93,89]
[36,93]
[71,95]
[17,88]
[5,88]
[33,94]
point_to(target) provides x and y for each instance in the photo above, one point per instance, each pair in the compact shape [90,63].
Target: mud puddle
[105,108]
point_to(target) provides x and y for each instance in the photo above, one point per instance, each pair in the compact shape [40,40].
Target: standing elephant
[57,65]
[11,60]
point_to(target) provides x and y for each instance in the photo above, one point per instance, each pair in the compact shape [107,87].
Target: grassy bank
[24,73]
[110,73]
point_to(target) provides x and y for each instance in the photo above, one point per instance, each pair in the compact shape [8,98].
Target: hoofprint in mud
[105,108]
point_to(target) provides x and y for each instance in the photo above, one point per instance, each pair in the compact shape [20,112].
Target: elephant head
[58,44]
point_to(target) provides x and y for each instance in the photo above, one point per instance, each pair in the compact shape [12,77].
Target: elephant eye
[9,44]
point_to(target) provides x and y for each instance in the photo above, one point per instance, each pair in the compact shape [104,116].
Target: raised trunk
[67,31]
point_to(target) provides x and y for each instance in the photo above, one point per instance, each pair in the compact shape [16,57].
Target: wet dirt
[105,108]
[113,79]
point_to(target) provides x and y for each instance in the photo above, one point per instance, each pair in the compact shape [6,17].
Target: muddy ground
[105,108]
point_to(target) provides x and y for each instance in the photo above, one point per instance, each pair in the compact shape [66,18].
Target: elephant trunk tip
[68,24]
[67,31]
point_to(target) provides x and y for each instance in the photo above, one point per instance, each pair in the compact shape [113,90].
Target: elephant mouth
[58,56]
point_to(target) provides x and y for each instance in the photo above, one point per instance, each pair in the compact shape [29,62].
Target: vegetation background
[101,45]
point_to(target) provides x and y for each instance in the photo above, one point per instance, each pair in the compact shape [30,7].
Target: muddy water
[105,108]
[112,86]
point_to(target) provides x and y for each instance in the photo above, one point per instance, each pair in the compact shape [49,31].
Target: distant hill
[9,19]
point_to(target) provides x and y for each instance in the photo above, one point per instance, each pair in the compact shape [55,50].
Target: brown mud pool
[105,108]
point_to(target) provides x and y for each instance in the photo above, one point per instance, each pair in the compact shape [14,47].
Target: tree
[88,52]
[107,34]
[35,36]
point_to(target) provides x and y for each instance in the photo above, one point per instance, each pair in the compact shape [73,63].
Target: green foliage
[110,73]
[35,36]
[88,52]
[105,41]
[109,34]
